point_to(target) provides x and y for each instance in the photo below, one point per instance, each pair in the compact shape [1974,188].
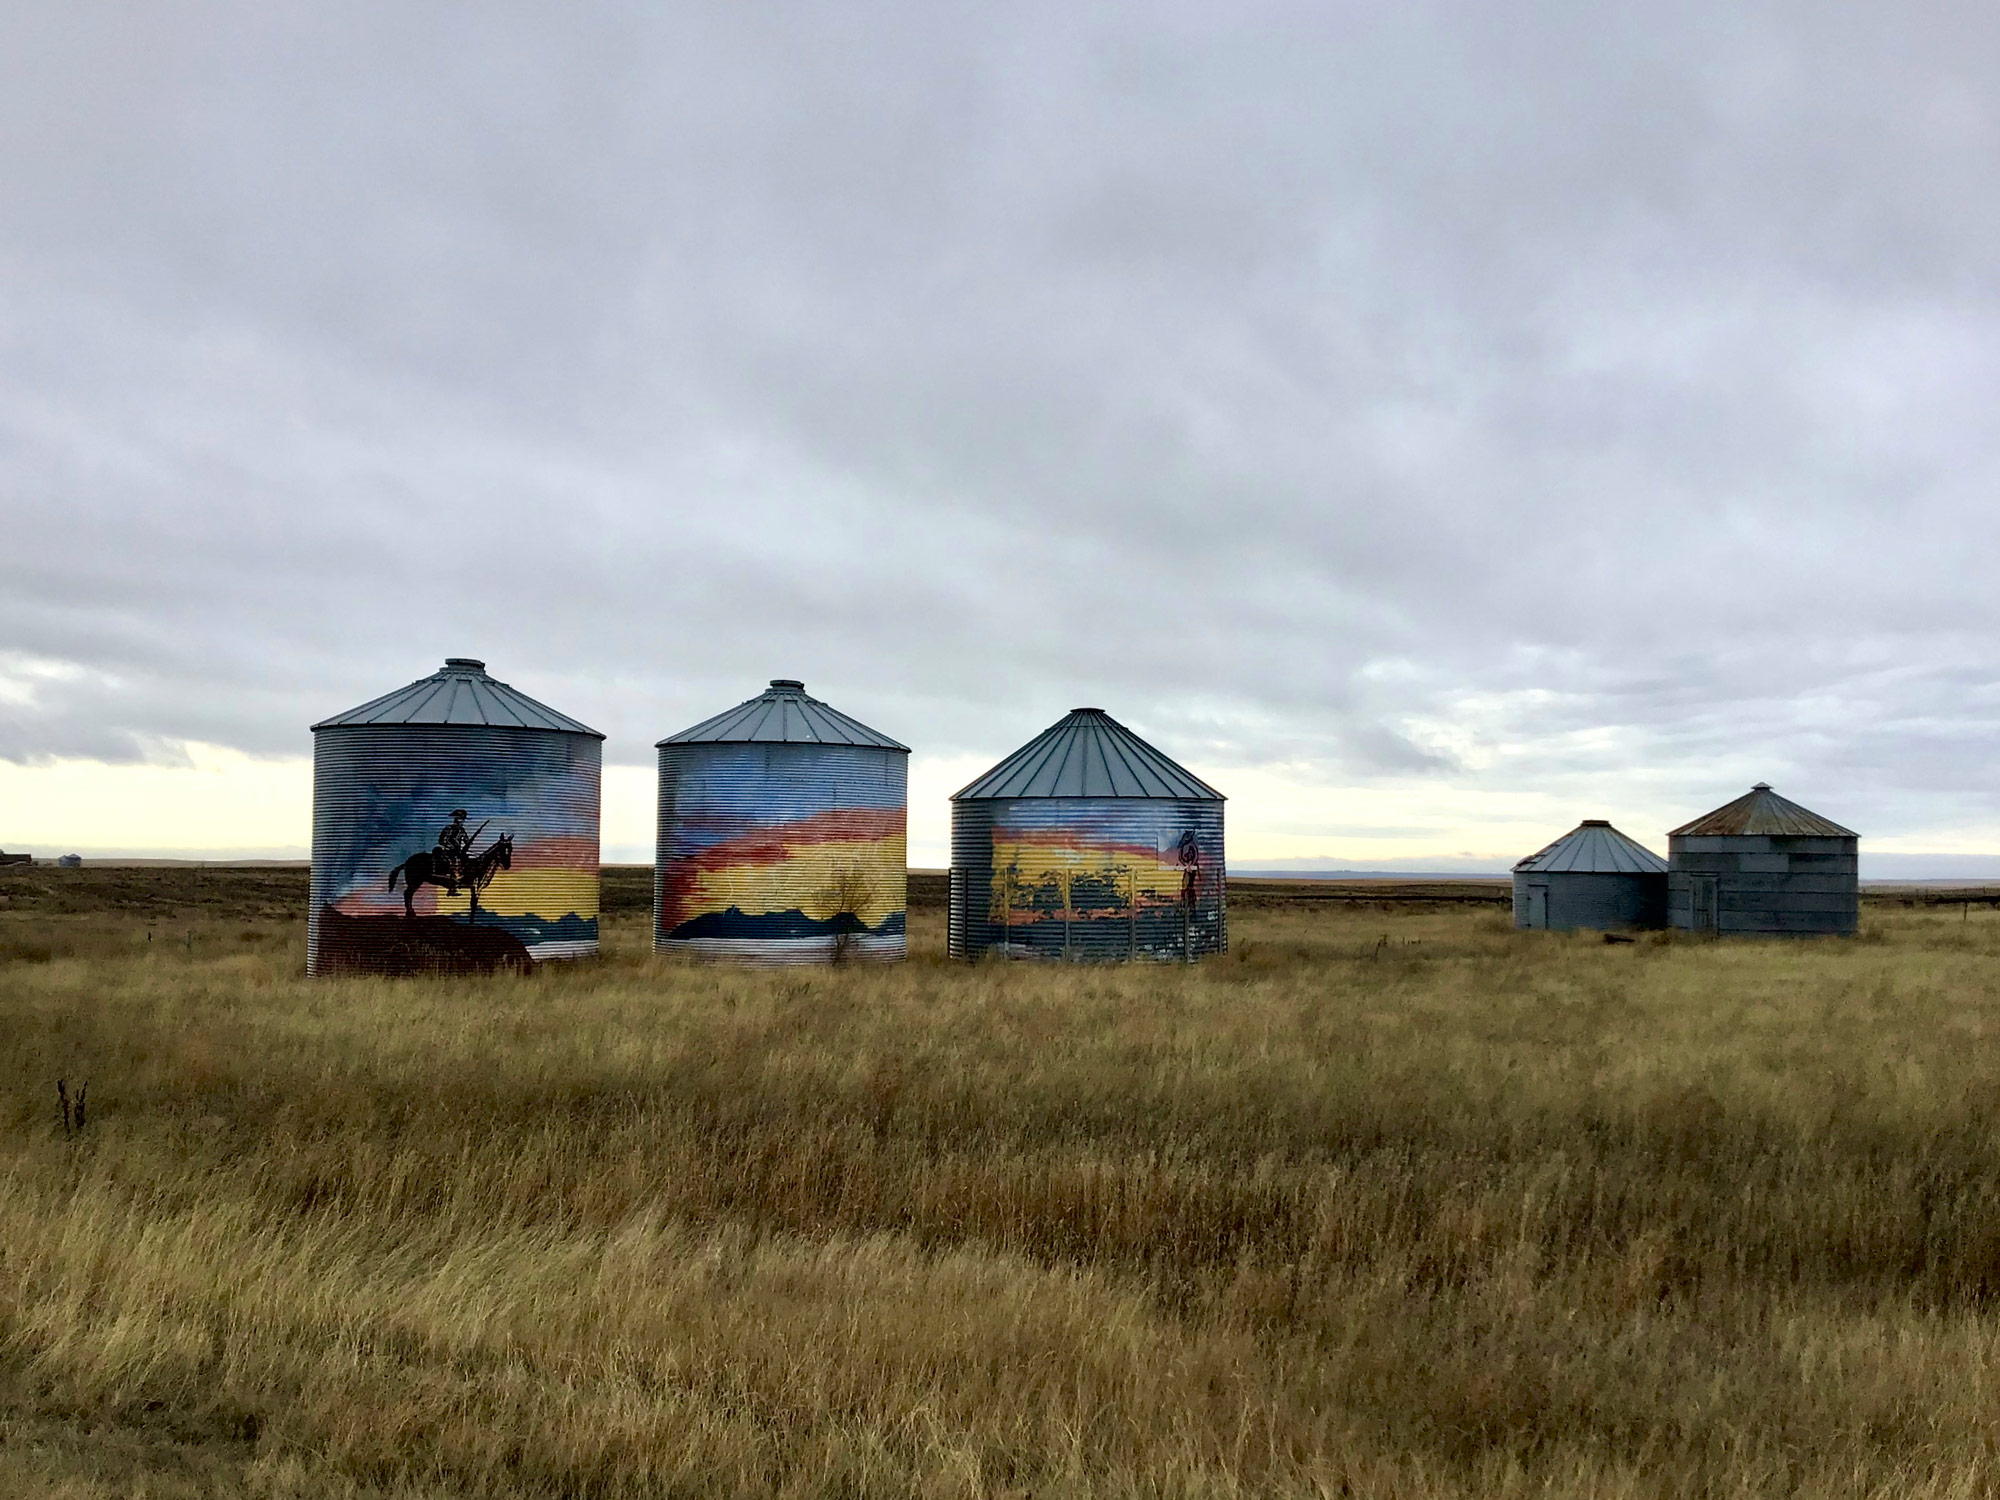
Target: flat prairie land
[1384,1202]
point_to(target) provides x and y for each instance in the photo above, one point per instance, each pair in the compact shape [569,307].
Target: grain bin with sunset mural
[455,830]
[781,836]
[1087,844]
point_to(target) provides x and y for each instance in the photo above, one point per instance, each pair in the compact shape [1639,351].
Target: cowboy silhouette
[1190,858]
[454,844]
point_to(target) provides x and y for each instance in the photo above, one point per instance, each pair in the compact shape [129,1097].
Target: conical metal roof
[459,692]
[1594,847]
[1088,754]
[1761,810]
[783,715]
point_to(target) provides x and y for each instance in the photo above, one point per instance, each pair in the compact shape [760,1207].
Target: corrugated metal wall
[1764,885]
[1087,878]
[1566,900]
[381,796]
[782,853]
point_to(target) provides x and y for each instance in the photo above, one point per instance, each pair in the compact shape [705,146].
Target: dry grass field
[1382,1203]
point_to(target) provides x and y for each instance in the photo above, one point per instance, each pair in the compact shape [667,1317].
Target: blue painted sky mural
[795,855]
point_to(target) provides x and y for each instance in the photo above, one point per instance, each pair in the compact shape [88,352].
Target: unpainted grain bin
[1592,877]
[782,836]
[1763,866]
[455,829]
[1087,843]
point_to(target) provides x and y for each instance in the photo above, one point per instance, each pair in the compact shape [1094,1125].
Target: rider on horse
[454,844]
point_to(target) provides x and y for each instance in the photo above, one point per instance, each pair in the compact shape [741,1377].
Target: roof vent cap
[1086,710]
[464,664]
[1762,786]
[788,685]
[1596,822]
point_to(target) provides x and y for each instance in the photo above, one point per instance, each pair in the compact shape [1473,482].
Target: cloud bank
[1424,402]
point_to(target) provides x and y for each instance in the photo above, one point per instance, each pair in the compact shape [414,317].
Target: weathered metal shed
[782,835]
[1592,877]
[1087,843]
[455,829]
[1764,866]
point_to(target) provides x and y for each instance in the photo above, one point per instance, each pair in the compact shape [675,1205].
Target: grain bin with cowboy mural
[1087,843]
[782,836]
[455,830]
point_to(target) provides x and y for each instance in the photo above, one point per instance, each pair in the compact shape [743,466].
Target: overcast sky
[1431,422]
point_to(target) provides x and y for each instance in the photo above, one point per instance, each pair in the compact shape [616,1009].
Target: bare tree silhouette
[849,894]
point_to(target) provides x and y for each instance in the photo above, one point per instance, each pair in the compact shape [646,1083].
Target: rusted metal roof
[783,715]
[1088,754]
[1762,811]
[1594,847]
[459,692]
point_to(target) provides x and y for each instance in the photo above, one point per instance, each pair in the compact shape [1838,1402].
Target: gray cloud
[1521,397]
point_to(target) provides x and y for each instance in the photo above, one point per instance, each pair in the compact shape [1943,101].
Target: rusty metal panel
[387,899]
[1761,811]
[782,850]
[1088,878]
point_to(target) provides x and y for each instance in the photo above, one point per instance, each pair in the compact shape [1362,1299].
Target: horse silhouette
[480,869]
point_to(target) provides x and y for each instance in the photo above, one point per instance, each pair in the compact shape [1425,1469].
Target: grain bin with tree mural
[455,829]
[782,836]
[1087,843]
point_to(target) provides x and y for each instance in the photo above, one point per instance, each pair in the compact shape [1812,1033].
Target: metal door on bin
[1701,891]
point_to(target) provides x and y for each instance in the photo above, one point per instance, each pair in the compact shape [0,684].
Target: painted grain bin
[455,828]
[782,836]
[1763,866]
[1087,843]
[1592,877]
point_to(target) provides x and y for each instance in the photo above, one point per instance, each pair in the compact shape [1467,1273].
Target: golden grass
[1378,1204]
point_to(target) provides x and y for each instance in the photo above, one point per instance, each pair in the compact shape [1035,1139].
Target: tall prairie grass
[1377,1204]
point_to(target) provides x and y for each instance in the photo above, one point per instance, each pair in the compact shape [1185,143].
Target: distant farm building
[15,859]
[1763,866]
[1087,843]
[71,862]
[783,836]
[1592,877]
[455,829]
